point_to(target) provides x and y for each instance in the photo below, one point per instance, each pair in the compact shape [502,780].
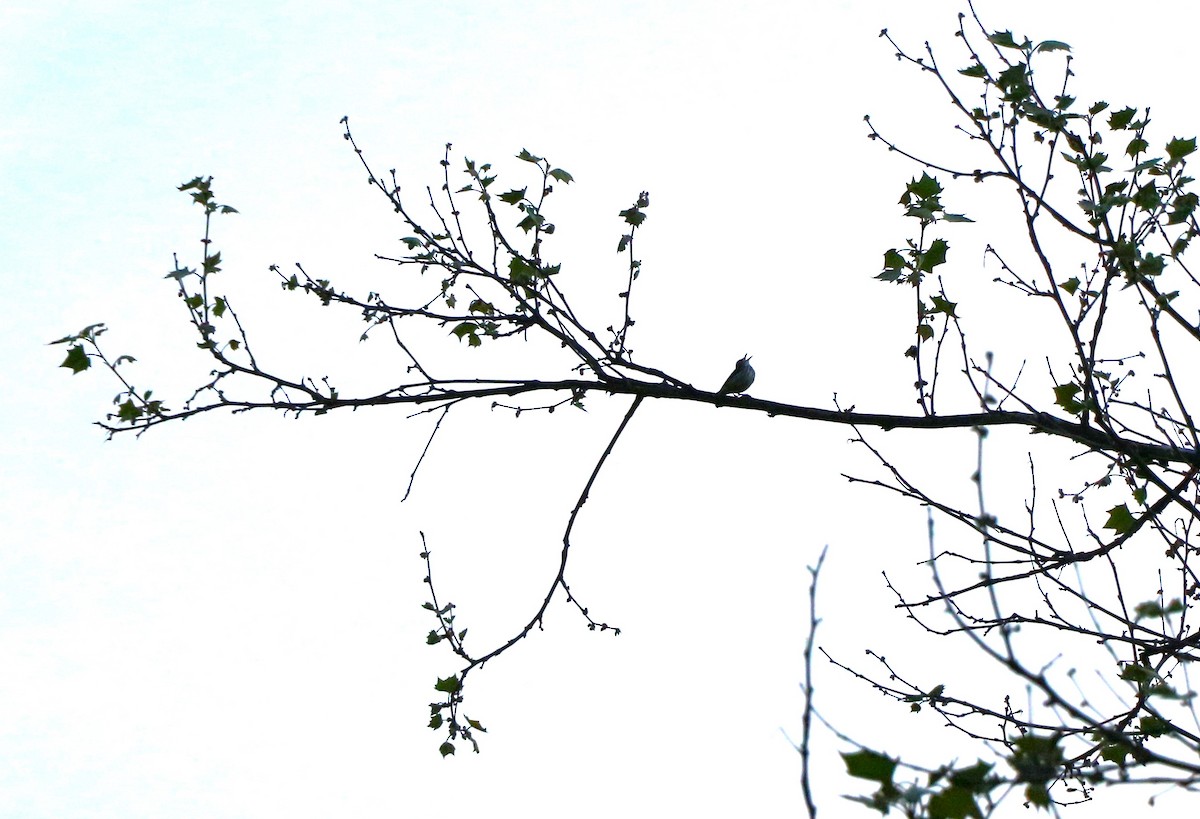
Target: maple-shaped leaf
[1120,520]
[129,412]
[870,765]
[77,360]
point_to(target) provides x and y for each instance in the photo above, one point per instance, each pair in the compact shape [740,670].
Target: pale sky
[222,619]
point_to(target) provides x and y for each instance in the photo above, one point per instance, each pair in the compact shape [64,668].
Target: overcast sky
[222,619]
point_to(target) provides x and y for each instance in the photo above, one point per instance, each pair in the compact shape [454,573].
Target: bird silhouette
[740,379]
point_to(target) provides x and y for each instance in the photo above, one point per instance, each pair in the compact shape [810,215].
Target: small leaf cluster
[137,408]
[1038,762]
[948,792]
[202,194]
[523,277]
[132,404]
[922,200]
[77,359]
[444,714]
[633,216]
[204,309]
[1125,208]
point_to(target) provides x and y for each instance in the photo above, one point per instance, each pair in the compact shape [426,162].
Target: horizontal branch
[446,392]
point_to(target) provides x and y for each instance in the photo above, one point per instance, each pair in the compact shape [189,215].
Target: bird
[740,379]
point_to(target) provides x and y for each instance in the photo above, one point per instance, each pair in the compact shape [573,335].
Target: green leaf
[1071,285]
[1004,39]
[1037,759]
[925,187]
[1182,208]
[521,272]
[1115,753]
[941,305]
[219,307]
[1177,148]
[1044,117]
[1152,264]
[870,765]
[1097,108]
[1120,520]
[450,685]
[633,216]
[562,176]
[974,778]
[212,264]
[977,71]
[1147,197]
[528,157]
[470,331]
[1052,45]
[1095,163]
[1118,120]
[77,360]
[513,197]
[197,182]
[1150,608]
[957,217]
[1014,82]
[413,242]
[1064,396]
[531,221]
[1153,726]
[953,803]
[1136,146]
[933,257]
[128,411]
[1037,794]
[432,638]
[1136,673]
[446,749]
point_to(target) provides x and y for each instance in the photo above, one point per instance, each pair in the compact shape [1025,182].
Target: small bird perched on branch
[740,379]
